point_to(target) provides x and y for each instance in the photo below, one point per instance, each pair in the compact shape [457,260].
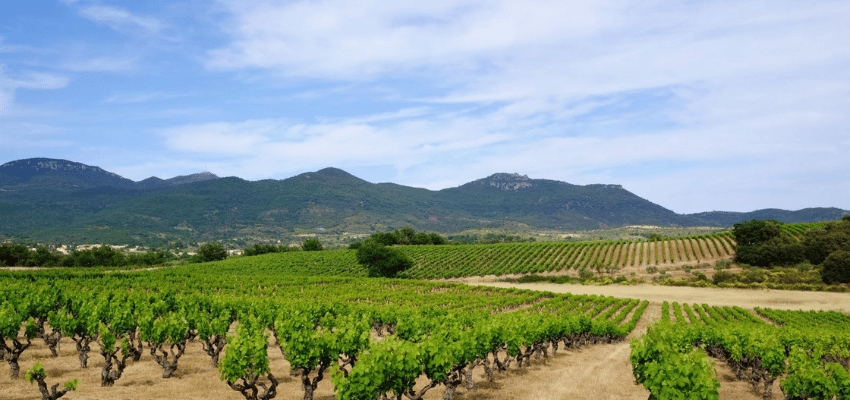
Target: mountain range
[50,200]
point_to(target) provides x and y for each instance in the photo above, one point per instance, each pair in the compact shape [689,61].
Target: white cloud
[102,64]
[140,97]
[584,90]
[26,80]
[121,19]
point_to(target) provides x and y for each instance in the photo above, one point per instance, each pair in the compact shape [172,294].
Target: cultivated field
[600,371]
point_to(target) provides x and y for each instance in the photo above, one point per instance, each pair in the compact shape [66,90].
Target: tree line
[21,255]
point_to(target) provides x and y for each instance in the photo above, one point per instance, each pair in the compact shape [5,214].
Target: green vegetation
[372,336]
[769,243]
[488,238]
[56,207]
[404,236]
[37,374]
[211,252]
[836,267]
[19,254]
[804,351]
[258,249]
[382,261]
[311,244]
[764,243]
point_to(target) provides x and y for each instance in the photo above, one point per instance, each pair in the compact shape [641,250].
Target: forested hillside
[60,201]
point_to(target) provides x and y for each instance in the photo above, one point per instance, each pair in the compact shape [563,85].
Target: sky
[694,105]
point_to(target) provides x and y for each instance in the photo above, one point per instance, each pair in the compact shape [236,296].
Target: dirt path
[604,371]
[746,298]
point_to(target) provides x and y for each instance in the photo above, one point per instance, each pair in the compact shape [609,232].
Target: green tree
[382,261]
[12,254]
[763,243]
[211,252]
[821,242]
[311,244]
[386,238]
[756,231]
[836,268]
[404,235]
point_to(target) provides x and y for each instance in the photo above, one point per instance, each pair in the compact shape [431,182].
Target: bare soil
[656,294]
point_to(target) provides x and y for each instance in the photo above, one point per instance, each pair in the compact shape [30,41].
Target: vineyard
[798,230]
[808,352]
[525,258]
[309,325]
[367,337]
[447,261]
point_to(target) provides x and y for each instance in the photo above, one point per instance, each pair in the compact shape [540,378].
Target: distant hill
[67,202]
[726,218]
[47,173]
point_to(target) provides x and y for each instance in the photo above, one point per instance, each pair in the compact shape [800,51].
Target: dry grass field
[592,372]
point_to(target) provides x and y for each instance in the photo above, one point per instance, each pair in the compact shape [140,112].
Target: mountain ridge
[72,201]
[79,175]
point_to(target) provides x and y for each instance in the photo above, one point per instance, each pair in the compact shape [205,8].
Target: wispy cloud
[17,136]
[120,19]
[25,80]
[570,90]
[141,97]
[103,64]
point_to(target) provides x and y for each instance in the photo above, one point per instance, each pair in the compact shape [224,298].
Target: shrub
[723,277]
[821,242]
[382,261]
[722,264]
[836,268]
[764,244]
[651,269]
[752,276]
[805,266]
[687,268]
[211,252]
[699,276]
[312,244]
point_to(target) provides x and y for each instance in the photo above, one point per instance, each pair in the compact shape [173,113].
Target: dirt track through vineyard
[604,371]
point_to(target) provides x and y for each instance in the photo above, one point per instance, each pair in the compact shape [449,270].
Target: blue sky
[697,106]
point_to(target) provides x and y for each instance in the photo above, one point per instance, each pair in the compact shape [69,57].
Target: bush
[699,276]
[211,252]
[311,245]
[764,244]
[723,277]
[259,249]
[382,261]
[805,266]
[722,264]
[774,252]
[752,276]
[821,242]
[836,268]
